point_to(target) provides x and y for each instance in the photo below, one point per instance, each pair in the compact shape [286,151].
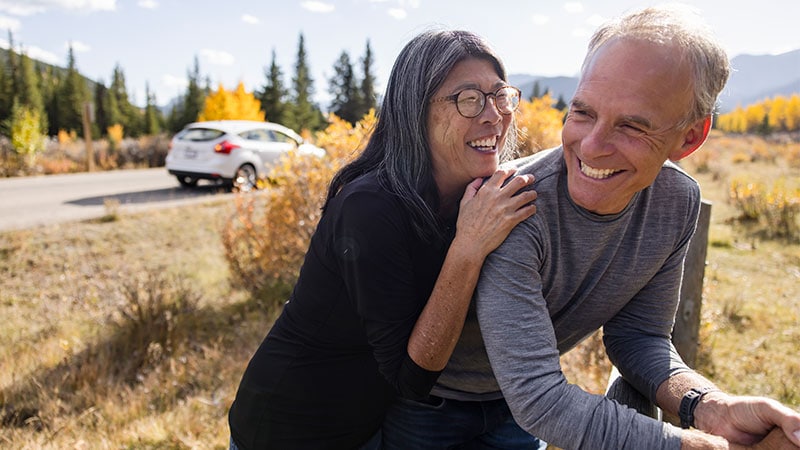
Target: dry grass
[122,334]
[126,333]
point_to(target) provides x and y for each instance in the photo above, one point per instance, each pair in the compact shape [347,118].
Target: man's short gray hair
[679,26]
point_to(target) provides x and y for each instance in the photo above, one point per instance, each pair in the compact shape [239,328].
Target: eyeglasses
[471,102]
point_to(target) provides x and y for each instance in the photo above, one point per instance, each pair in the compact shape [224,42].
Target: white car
[234,152]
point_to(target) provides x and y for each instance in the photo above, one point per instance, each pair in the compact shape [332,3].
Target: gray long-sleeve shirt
[558,277]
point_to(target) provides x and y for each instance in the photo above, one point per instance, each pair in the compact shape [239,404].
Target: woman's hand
[491,208]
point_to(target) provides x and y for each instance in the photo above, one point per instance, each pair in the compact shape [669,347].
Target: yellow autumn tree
[236,105]
[775,114]
[793,113]
[539,125]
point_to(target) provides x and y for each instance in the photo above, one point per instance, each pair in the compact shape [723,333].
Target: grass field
[126,332]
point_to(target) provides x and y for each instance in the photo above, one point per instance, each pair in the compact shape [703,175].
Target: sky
[155,42]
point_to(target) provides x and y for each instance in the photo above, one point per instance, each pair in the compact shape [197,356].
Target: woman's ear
[694,138]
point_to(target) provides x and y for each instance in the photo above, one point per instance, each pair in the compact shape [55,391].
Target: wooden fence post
[687,319]
[88,118]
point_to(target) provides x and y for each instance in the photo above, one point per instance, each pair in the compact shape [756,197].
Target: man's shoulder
[673,176]
[539,164]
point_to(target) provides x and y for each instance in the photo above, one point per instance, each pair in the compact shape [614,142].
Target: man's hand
[747,420]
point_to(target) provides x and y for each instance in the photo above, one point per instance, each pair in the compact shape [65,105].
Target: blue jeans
[451,424]
[374,443]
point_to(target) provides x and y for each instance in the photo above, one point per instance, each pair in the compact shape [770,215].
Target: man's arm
[739,419]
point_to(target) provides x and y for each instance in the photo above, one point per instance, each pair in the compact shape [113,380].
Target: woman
[388,277]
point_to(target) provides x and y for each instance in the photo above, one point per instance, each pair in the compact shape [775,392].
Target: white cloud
[317,7]
[398,13]
[42,55]
[539,19]
[78,46]
[573,7]
[34,53]
[595,20]
[173,81]
[581,32]
[253,20]
[148,4]
[217,57]
[9,23]
[31,7]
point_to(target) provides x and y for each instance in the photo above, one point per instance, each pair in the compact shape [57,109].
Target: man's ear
[694,138]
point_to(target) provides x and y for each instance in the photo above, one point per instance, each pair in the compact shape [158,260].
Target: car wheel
[187,181]
[245,178]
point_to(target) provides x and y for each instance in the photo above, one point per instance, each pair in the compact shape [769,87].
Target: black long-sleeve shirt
[326,372]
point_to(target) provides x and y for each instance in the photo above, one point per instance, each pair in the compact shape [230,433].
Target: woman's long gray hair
[398,148]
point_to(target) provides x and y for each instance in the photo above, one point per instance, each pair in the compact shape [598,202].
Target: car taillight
[225,147]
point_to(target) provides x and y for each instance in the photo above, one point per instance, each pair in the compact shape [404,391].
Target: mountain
[758,77]
[754,78]
[41,66]
[562,87]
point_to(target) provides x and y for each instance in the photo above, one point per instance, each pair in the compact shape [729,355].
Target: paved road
[28,202]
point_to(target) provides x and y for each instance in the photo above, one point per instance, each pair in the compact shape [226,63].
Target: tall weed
[266,238]
[776,206]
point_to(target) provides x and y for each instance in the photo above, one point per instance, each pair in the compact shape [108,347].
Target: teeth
[596,173]
[485,142]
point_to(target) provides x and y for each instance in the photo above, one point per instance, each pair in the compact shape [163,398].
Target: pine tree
[303,114]
[369,97]
[346,101]
[6,100]
[152,116]
[560,103]
[71,98]
[130,116]
[195,97]
[7,89]
[50,88]
[28,94]
[536,91]
[101,108]
[273,95]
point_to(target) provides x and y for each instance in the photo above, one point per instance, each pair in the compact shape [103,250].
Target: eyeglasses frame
[454,97]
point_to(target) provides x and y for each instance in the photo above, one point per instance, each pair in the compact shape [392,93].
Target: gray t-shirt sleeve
[521,343]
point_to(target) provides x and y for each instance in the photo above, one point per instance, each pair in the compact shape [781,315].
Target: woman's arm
[487,214]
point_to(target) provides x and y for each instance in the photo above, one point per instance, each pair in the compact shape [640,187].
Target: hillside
[42,66]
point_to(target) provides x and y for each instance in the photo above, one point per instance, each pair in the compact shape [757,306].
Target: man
[605,248]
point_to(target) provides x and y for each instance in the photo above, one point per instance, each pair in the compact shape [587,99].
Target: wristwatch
[689,402]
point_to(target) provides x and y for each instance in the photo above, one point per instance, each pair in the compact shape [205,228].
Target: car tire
[245,178]
[186,181]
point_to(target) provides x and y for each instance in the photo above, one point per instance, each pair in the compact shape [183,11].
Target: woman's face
[463,149]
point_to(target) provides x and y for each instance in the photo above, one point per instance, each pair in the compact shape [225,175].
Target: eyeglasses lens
[470,102]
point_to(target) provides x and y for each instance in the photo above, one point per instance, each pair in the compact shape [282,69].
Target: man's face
[623,122]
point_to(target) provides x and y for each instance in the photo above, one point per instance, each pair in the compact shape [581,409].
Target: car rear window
[200,134]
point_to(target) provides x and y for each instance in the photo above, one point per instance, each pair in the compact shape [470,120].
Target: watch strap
[689,402]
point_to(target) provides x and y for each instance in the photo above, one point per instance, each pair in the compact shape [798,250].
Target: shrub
[746,196]
[27,134]
[539,125]
[777,206]
[266,238]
